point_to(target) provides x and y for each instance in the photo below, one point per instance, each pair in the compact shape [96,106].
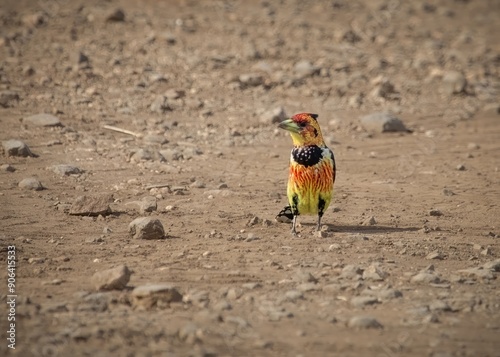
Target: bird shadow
[369,229]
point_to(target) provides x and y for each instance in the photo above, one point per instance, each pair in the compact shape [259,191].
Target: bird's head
[304,129]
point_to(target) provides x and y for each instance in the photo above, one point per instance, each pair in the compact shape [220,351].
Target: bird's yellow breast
[308,185]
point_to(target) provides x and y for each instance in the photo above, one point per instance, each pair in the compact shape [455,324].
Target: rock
[294,295]
[7,168]
[159,105]
[365,322]
[369,221]
[146,228]
[174,93]
[493,265]
[385,90]
[155,295]
[148,204]
[96,302]
[362,301]
[91,205]
[389,294]
[460,167]
[116,16]
[351,36]
[439,305]
[111,279]
[305,68]
[302,276]
[491,109]
[447,192]
[454,82]
[82,61]
[190,333]
[66,170]
[425,277]
[36,260]
[435,213]
[8,98]
[478,273]
[43,120]
[434,255]
[373,272]
[31,183]
[473,146]
[251,79]
[16,148]
[274,116]
[305,287]
[142,155]
[171,154]
[382,122]
[351,271]
[334,247]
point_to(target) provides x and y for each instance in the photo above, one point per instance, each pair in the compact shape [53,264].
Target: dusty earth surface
[406,263]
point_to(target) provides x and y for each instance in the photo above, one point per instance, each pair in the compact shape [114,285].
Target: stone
[351,271]
[146,228]
[490,109]
[434,255]
[91,205]
[15,147]
[160,105]
[362,301]
[369,221]
[190,333]
[43,120]
[274,116]
[118,15]
[302,276]
[148,204]
[8,98]
[478,273]
[155,295]
[373,272]
[454,82]
[7,168]
[251,79]
[435,213]
[66,170]
[294,295]
[31,183]
[425,277]
[364,322]
[142,155]
[439,305]
[382,122]
[493,265]
[95,302]
[385,90]
[389,294]
[304,68]
[111,279]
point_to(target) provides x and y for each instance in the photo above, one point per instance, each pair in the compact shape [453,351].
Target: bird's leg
[318,226]
[294,222]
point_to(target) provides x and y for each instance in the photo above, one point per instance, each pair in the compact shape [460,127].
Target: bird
[312,170]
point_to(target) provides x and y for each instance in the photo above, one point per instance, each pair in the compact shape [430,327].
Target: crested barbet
[312,169]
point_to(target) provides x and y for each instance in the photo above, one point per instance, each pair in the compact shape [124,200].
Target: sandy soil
[407,263]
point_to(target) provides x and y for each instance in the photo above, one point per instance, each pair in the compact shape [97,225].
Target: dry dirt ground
[200,84]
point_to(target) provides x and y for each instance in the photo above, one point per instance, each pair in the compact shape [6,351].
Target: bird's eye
[302,124]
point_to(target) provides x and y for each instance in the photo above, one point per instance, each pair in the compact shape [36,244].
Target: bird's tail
[285,215]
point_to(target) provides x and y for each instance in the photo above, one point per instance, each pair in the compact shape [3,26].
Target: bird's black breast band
[307,155]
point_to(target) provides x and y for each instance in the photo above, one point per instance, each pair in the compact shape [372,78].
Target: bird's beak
[289,125]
